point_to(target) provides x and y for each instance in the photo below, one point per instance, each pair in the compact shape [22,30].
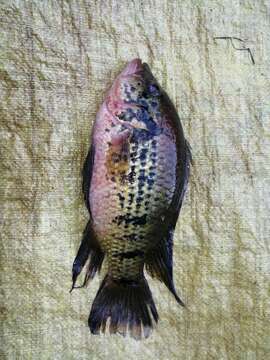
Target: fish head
[135,87]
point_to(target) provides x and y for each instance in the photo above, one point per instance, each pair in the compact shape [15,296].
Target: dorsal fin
[159,261]
[87,174]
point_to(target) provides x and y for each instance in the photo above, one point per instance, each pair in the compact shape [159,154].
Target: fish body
[134,180]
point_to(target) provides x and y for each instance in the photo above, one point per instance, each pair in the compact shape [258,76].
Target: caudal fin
[129,306]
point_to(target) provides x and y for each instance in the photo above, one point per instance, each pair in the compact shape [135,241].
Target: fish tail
[88,249]
[129,306]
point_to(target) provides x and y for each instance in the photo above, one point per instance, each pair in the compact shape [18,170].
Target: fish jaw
[135,66]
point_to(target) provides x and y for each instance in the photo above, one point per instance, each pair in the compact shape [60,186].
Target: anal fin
[158,264]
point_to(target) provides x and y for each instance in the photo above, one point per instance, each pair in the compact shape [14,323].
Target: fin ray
[158,264]
[129,306]
[88,249]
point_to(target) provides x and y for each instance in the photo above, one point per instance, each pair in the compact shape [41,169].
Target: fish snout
[133,67]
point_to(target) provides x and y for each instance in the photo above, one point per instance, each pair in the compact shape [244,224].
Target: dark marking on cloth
[231,38]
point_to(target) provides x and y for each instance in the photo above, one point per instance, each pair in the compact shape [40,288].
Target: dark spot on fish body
[139,199]
[129,254]
[131,197]
[127,219]
[143,154]
[142,178]
[121,199]
[116,157]
[131,237]
[141,135]
[140,220]
[126,282]
[121,116]
[154,90]
[131,177]
[133,158]
[142,102]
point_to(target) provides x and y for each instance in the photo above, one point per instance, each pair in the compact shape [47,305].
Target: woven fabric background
[57,58]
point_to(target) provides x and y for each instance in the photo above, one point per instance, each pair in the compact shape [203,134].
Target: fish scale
[134,180]
[134,206]
[133,267]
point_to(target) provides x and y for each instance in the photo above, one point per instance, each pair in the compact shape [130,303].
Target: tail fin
[89,249]
[127,304]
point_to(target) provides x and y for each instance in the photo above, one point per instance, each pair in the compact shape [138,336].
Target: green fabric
[57,59]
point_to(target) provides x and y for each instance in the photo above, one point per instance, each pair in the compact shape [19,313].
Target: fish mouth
[134,67]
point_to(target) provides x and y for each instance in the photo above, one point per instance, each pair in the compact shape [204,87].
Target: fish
[135,177]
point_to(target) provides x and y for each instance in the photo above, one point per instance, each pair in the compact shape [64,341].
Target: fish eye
[154,90]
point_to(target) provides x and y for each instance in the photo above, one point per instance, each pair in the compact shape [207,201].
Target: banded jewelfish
[134,180]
